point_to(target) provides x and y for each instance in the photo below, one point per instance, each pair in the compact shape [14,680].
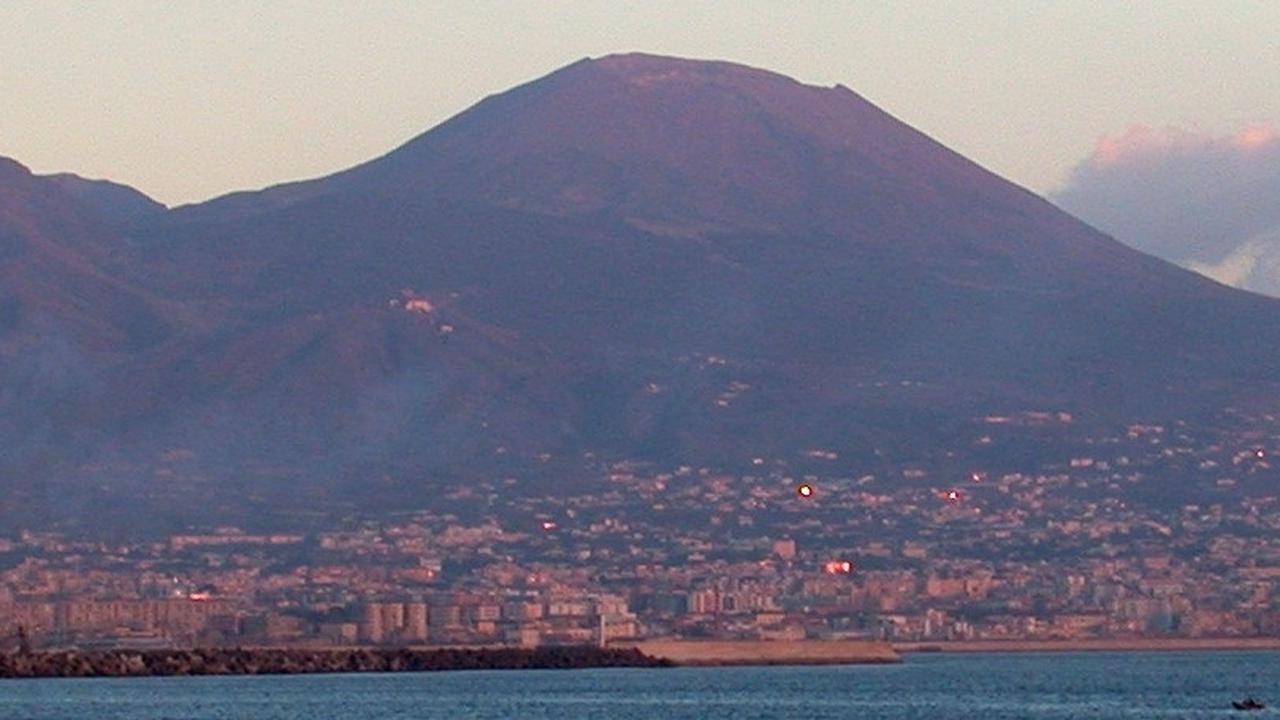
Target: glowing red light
[838,567]
[805,490]
[1261,453]
[953,496]
[548,526]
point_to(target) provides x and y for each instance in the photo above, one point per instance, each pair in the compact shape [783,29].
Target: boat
[1248,703]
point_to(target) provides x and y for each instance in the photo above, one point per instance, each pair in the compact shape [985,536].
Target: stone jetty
[266,661]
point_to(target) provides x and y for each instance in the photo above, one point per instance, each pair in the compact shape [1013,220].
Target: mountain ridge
[116,203]
[631,258]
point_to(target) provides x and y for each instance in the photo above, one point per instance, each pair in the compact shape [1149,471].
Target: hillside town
[1094,545]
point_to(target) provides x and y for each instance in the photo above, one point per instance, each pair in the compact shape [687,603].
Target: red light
[548,526]
[953,496]
[805,490]
[1261,453]
[838,567]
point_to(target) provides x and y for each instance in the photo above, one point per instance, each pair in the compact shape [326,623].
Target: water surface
[995,686]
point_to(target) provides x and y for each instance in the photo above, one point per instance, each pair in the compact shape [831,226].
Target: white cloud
[1209,203]
[1235,269]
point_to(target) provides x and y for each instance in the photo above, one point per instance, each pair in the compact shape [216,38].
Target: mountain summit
[698,145]
[633,257]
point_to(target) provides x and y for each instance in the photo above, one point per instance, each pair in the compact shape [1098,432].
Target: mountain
[66,319]
[635,257]
[57,252]
[117,204]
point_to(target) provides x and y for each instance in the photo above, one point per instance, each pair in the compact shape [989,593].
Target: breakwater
[278,661]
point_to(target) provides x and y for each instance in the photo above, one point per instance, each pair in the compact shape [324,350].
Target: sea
[988,686]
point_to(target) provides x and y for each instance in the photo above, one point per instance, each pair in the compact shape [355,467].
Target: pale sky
[188,100]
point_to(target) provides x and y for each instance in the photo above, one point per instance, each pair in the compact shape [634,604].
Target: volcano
[635,257]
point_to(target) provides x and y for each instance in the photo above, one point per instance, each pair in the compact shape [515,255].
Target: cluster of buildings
[1093,544]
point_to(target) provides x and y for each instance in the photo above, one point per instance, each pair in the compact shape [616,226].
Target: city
[1086,547]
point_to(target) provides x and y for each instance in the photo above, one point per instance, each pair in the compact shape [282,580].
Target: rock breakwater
[264,661]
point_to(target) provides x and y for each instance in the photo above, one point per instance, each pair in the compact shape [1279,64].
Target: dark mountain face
[115,203]
[634,257]
[66,320]
[56,255]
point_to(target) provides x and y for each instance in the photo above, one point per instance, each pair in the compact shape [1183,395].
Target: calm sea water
[1085,685]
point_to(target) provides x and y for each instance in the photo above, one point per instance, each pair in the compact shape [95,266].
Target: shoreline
[721,653]
[642,654]
[1090,645]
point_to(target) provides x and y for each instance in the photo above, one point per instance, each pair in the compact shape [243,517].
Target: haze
[190,100]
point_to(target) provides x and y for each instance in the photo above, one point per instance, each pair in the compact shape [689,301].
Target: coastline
[1089,645]
[642,654]
[711,653]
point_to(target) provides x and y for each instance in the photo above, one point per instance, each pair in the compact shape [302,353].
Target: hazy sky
[187,100]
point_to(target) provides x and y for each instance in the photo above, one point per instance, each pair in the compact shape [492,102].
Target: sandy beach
[762,652]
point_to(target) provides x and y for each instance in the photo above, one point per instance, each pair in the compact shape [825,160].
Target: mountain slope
[67,319]
[641,257]
[117,204]
[53,250]
[751,177]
